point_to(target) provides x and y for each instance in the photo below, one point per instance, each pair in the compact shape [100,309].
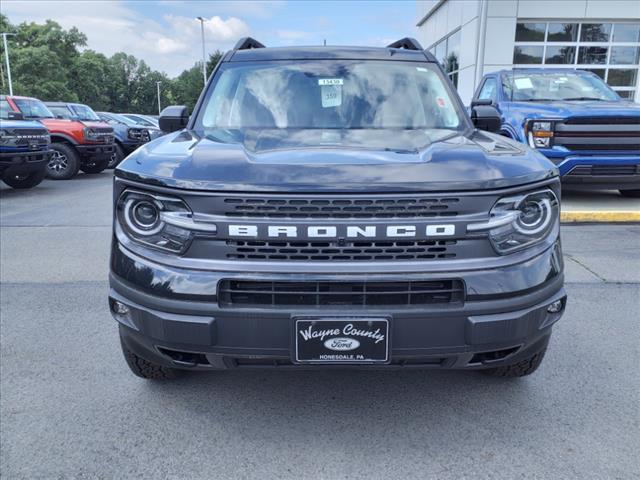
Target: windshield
[556,86]
[122,119]
[83,112]
[32,108]
[140,120]
[60,111]
[362,104]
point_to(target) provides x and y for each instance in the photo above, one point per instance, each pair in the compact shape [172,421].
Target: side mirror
[486,117]
[15,116]
[174,118]
[484,102]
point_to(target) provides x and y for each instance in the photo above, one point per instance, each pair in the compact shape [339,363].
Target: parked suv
[129,135]
[76,144]
[574,119]
[24,149]
[334,206]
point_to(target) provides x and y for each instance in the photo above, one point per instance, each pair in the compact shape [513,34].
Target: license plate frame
[367,351]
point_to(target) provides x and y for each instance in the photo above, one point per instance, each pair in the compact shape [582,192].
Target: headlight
[90,134]
[6,137]
[159,221]
[540,133]
[520,221]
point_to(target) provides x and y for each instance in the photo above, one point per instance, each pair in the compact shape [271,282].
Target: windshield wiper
[583,98]
[537,100]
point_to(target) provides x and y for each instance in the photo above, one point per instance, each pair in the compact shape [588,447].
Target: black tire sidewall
[95,167]
[33,179]
[73,162]
[630,193]
[119,156]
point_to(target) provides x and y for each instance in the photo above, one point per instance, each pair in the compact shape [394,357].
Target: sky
[166,34]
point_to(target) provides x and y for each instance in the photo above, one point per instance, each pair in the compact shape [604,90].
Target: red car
[79,140]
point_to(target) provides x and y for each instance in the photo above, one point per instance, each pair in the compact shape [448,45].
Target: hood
[95,124]
[573,109]
[57,123]
[481,161]
[19,124]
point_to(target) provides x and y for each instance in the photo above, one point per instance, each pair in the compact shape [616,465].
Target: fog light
[120,308]
[555,307]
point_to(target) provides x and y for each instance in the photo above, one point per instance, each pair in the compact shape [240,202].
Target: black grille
[599,133]
[603,120]
[335,251]
[256,207]
[609,146]
[240,293]
[103,130]
[604,170]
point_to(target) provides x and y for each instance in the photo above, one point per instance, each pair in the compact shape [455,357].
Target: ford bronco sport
[334,207]
[79,140]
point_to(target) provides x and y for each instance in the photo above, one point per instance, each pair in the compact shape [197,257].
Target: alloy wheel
[58,161]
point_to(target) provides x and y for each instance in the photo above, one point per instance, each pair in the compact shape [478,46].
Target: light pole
[204,62]
[6,58]
[158,87]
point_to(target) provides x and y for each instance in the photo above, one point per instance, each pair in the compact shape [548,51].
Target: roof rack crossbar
[407,43]
[247,43]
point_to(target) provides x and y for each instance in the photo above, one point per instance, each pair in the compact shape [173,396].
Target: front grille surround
[317,294]
[599,133]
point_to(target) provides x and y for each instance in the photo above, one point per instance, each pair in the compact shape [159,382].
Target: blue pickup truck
[574,119]
[24,150]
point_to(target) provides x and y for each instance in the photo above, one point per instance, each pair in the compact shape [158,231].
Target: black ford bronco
[334,207]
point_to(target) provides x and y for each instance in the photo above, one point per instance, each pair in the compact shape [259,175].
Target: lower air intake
[261,294]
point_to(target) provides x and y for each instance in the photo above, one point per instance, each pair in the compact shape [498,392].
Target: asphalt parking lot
[70,408]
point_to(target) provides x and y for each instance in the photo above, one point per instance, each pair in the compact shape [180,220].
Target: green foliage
[48,62]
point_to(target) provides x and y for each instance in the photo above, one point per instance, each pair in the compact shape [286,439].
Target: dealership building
[474,37]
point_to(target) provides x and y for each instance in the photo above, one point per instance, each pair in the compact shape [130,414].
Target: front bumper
[174,318]
[95,152]
[597,171]
[19,163]
[130,145]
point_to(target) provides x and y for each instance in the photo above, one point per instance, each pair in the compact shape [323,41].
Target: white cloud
[111,27]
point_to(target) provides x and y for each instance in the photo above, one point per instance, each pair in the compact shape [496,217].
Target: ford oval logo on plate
[342,344]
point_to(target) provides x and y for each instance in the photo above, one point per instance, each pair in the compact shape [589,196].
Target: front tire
[27,180]
[145,369]
[116,157]
[95,167]
[64,162]
[630,193]
[521,369]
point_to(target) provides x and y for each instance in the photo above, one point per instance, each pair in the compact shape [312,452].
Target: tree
[50,63]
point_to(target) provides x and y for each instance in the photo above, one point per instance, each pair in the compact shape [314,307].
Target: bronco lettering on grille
[331,231]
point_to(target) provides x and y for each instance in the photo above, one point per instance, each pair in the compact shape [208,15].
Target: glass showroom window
[611,50]
[447,52]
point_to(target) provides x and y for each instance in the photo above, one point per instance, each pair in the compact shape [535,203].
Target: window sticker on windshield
[330,81]
[523,83]
[331,91]
[422,69]
[441,102]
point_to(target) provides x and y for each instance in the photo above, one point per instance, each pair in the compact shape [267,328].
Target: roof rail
[247,43]
[407,43]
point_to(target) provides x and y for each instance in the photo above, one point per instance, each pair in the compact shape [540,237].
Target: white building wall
[439,18]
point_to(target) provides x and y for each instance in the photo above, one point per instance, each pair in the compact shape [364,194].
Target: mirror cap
[174,118]
[487,118]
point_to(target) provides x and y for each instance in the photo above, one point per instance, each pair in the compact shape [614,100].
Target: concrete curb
[604,216]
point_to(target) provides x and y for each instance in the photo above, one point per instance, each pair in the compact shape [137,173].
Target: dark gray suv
[334,207]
